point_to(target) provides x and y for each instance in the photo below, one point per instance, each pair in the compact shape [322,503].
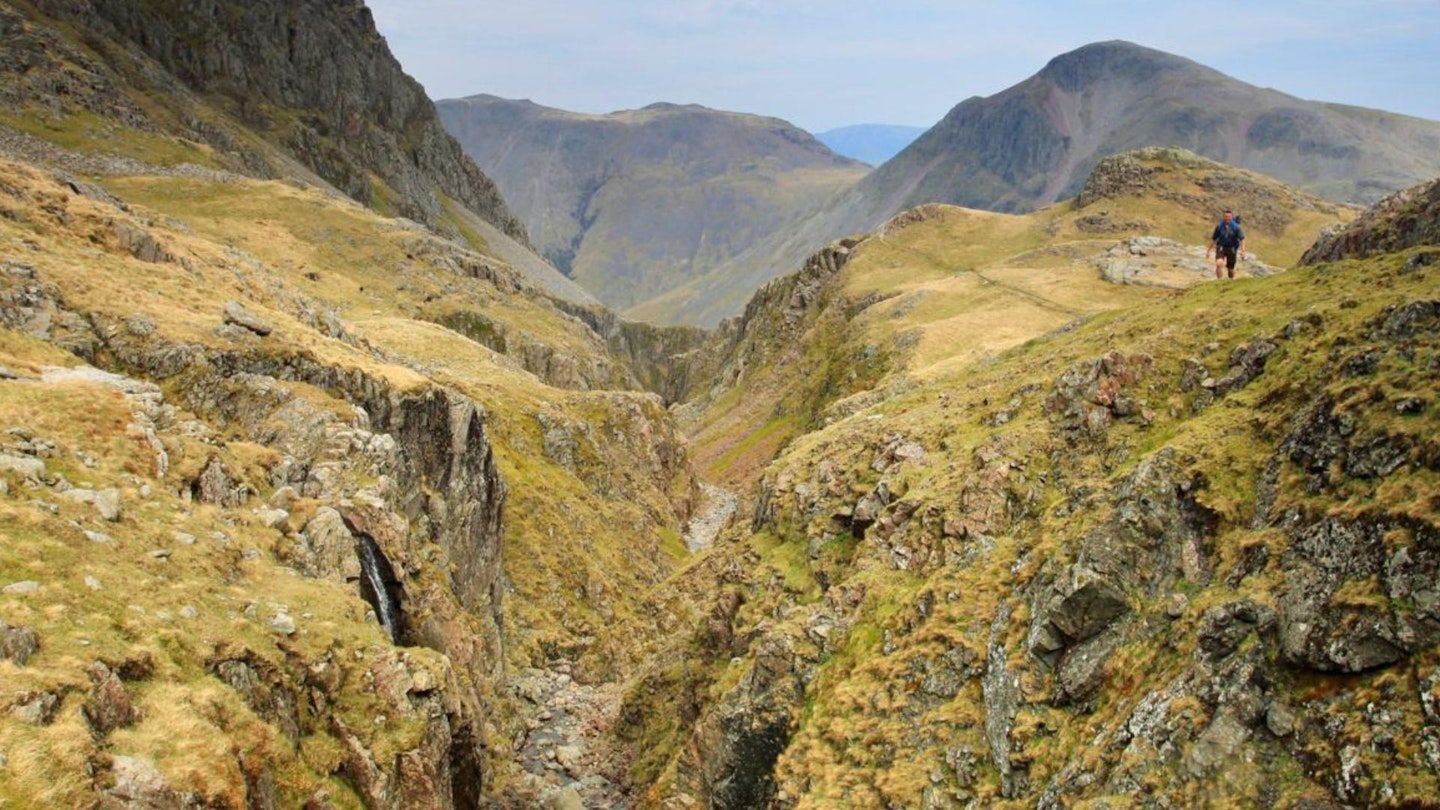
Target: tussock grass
[82,131]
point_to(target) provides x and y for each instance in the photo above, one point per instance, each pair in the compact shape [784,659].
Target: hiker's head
[1229,215]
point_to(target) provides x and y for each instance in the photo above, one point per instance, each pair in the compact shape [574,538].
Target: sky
[822,64]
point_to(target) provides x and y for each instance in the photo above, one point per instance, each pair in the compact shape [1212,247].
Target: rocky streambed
[569,757]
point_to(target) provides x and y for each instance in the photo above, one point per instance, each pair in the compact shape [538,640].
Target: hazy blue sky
[826,63]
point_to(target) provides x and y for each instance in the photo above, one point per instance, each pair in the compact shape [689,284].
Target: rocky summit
[305,504]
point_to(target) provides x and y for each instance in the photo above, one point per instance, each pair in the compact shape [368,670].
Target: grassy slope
[117,602]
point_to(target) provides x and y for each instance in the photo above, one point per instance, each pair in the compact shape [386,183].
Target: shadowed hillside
[276,90]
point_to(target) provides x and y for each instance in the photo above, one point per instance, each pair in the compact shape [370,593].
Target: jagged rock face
[429,450]
[1406,219]
[353,110]
[672,361]
[1082,596]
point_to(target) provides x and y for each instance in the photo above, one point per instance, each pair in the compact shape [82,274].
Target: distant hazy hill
[872,143]
[1035,143]
[635,203]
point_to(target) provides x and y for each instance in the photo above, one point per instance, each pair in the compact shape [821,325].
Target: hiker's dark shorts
[1229,254]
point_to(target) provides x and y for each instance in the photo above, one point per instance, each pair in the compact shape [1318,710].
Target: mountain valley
[321,487]
[633,204]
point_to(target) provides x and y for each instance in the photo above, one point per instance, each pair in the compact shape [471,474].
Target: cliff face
[314,77]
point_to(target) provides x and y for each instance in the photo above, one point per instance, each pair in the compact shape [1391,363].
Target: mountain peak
[1114,58]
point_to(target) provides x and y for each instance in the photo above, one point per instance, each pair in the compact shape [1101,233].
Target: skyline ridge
[820,67]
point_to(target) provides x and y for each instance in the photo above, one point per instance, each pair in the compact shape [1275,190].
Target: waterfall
[375,572]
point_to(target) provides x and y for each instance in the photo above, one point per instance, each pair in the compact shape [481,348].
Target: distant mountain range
[634,204]
[871,143]
[1034,144]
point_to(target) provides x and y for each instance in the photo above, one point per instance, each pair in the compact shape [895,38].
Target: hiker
[1228,242]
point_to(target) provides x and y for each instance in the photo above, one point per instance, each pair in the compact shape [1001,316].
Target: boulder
[1246,363]
[139,243]
[105,501]
[272,518]
[1391,602]
[1085,603]
[214,485]
[1224,627]
[109,706]
[1081,671]
[37,709]
[18,644]
[27,467]
[237,315]
[329,547]
[138,783]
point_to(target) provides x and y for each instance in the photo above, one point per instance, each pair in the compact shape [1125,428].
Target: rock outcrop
[410,472]
[1406,219]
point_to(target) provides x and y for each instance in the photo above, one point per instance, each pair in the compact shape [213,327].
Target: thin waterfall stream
[373,570]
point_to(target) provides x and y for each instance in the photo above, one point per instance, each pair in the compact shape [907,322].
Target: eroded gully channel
[570,757]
